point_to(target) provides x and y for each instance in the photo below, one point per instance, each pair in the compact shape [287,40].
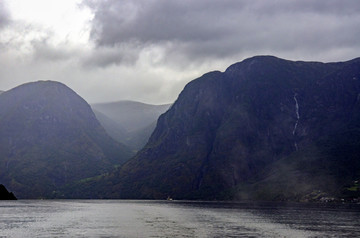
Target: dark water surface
[126,218]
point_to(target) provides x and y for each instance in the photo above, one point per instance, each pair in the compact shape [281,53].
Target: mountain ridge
[50,137]
[228,130]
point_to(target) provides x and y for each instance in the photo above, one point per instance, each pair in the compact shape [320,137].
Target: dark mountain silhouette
[129,122]
[266,128]
[49,137]
[5,194]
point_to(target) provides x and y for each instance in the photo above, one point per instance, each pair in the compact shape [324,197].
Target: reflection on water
[124,218]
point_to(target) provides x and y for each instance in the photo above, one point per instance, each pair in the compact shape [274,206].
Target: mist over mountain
[266,129]
[49,137]
[129,122]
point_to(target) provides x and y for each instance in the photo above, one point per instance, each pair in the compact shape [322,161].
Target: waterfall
[297,118]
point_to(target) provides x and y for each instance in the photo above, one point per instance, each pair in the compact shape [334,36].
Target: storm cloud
[203,29]
[147,50]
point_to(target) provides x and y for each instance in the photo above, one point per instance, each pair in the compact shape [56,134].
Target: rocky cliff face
[49,137]
[266,128]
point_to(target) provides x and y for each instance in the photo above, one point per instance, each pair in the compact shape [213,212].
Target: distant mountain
[266,129]
[50,137]
[129,122]
[5,194]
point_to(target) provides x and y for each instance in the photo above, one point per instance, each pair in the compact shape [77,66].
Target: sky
[148,50]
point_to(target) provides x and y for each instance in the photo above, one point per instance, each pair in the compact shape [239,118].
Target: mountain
[129,122]
[5,195]
[265,129]
[49,136]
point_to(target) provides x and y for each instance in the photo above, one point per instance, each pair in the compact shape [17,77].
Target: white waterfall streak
[297,114]
[297,118]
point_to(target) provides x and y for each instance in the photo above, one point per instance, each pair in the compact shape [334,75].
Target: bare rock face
[50,137]
[266,128]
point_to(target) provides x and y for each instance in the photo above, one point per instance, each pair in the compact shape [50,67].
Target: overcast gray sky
[147,50]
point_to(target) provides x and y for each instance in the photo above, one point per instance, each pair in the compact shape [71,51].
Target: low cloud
[104,56]
[45,51]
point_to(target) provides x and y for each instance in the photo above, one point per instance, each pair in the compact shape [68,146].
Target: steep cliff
[265,129]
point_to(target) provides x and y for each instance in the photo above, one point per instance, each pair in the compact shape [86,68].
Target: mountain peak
[49,136]
[261,59]
[44,84]
[38,88]
[252,132]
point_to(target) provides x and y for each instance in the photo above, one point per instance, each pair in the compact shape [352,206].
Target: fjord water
[125,218]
